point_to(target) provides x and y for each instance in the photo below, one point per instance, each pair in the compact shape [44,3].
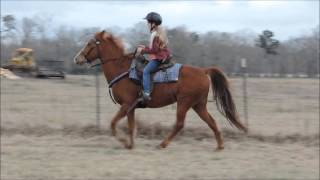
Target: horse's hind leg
[201,110]
[181,114]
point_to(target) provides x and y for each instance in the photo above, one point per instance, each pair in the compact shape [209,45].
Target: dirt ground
[48,132]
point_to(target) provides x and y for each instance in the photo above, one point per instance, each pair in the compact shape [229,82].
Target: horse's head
[96,47]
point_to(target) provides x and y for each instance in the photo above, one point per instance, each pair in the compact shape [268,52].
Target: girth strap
[114,81]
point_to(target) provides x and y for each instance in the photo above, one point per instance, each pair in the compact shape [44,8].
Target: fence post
[97,98]
[244,85]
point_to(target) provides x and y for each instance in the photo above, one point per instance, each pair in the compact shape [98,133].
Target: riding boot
[146,96]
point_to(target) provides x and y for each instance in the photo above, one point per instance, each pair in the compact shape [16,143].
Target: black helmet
[154,17]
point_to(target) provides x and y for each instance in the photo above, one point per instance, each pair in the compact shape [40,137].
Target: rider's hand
[139,49]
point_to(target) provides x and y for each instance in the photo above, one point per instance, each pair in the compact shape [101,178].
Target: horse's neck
[115,68]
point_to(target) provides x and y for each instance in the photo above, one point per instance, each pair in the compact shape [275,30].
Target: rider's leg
[151,66]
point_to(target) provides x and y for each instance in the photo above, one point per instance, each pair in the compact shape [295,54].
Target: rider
[157,50]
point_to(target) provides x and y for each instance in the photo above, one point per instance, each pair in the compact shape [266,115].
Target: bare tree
[29,28]
[9,22]
[297,55]
[8,33]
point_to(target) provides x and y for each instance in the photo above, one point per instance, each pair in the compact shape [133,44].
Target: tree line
[297,55]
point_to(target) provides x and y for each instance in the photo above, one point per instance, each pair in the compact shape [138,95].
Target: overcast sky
[286,18]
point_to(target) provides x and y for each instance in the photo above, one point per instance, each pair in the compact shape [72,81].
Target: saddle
[136,74]
[140,63]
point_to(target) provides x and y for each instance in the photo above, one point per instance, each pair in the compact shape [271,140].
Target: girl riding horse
[157,50]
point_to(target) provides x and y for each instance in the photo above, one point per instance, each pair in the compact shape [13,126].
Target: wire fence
[268,106]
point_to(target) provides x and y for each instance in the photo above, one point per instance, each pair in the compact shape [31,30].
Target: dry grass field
[48,132]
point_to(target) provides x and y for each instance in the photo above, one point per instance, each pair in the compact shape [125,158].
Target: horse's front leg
[120,114]
[131,128]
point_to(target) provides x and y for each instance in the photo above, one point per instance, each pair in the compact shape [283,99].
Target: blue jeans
[151,67]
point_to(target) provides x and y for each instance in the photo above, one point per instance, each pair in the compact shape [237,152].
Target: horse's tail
[223,97]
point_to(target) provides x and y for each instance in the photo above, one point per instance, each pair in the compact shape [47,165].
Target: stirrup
[146,96]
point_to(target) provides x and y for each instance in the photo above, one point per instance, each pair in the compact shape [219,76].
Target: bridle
[105,61]
[97,46]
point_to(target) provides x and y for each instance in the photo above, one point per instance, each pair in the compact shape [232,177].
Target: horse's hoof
[129,146]
[160,146]
[219,148]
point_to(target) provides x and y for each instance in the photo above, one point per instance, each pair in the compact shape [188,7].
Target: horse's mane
[117,41]
[107,36]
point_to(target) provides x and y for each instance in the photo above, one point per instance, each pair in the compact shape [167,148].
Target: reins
[105,61]
[102,61]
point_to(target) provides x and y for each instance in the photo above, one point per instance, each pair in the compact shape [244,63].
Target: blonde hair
[162,34]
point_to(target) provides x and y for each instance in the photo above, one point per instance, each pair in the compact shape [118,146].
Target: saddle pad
[168,75]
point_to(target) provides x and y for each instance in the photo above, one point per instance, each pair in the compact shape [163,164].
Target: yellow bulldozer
[23,57]
[22,63]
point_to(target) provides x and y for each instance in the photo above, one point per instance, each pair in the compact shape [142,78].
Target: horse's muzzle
[79,59]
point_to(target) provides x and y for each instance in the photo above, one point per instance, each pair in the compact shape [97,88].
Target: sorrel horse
[190,91]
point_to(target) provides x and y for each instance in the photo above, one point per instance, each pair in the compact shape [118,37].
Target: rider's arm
[155,47]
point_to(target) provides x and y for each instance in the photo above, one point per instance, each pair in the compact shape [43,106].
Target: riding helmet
[154,17]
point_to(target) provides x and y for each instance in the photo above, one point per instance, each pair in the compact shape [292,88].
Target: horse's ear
[102,34]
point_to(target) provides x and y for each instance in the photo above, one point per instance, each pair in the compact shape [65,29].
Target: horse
[190,91]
